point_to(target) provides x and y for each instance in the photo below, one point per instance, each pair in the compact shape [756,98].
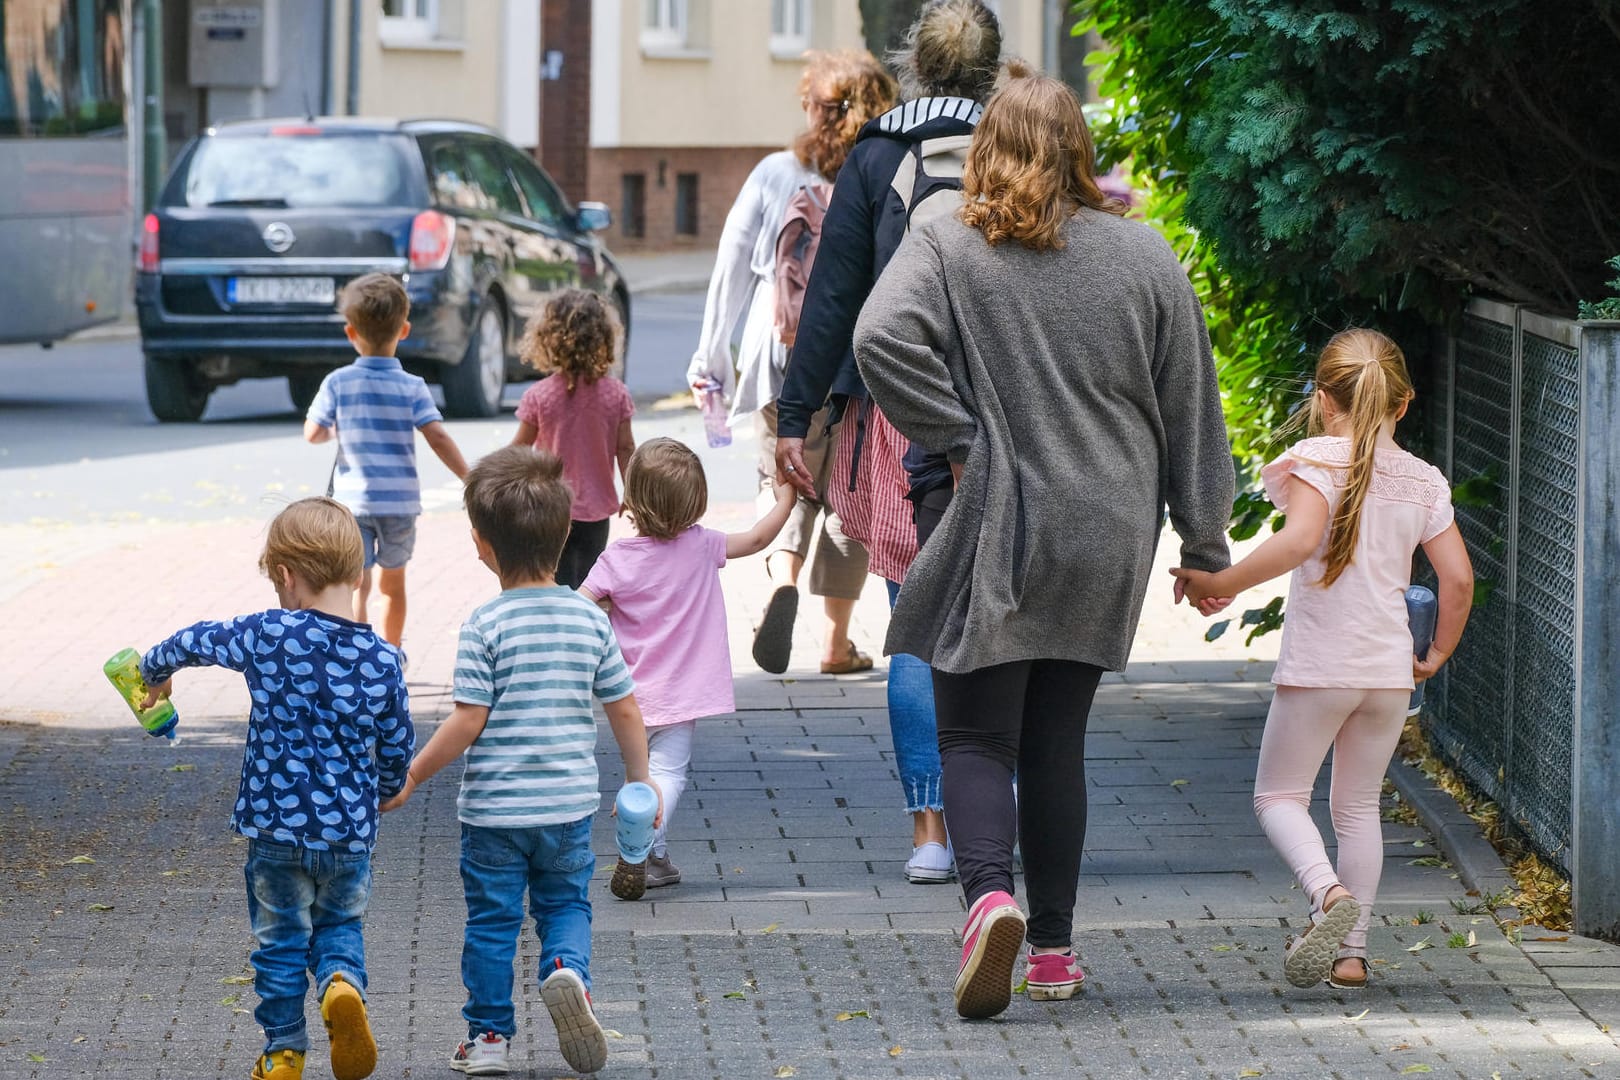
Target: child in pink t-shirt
[1358,507]
[581,414]
[661,590]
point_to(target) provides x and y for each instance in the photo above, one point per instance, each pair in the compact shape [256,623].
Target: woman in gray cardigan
[1057,354]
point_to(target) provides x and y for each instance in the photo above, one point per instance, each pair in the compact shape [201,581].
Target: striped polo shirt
[535,657]
[377,408]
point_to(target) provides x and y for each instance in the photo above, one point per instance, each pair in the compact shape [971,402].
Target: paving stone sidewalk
[792,948]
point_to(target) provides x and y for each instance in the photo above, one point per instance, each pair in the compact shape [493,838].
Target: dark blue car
[262,223]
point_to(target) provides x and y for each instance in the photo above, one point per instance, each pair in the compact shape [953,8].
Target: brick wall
[565,103]
[720,170]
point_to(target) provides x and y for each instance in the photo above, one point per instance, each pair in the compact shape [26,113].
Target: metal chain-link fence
[1508,427]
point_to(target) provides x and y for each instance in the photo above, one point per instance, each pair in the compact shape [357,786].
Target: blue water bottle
[1422,610]
[636,808]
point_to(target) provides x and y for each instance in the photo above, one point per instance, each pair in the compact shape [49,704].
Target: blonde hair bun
[953,49]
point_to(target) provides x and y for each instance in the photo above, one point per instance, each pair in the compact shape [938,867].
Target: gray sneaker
[661,872]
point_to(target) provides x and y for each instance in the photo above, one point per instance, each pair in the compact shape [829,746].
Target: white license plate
[281,290]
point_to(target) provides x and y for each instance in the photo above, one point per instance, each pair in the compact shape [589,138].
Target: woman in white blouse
[840,92]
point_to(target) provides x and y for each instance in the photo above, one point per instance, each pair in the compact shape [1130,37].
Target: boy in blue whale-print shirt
[329,735]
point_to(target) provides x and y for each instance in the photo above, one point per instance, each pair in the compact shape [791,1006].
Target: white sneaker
[931,864]
[483,1056]
[579,1036]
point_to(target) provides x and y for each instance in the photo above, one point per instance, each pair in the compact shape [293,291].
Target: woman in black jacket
[947,69]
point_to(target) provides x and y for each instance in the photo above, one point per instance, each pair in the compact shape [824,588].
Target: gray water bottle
[1422,610]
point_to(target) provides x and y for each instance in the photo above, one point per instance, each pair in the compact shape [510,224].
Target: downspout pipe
[154,140]
[352,94]
[328,55]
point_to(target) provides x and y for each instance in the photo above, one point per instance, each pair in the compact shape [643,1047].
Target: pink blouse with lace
[1354,632]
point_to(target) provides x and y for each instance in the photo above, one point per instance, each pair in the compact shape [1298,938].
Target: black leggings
[586,539]
[1027,717]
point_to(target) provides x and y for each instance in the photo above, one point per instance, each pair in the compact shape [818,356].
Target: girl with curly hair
[840,92]
[579,413]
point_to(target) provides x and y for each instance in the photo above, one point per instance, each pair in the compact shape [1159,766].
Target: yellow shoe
[279,1065]
[354,1051]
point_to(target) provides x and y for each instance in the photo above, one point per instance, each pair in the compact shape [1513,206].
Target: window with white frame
[663,24]
[790,27]
[406,22]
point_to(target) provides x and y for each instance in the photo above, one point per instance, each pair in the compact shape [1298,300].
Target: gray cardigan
[1078,389]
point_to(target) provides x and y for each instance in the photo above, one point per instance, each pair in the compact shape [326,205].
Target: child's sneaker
[662,872]
[354,1051]
[483,1056]
[1053,976]
[279,1065]
[629,880]
[990,945]
[579,1036]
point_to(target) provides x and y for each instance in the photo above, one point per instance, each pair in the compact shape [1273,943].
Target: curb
[690,283]
[1477,862]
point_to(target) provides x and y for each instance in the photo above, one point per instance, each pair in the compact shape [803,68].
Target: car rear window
[299,171]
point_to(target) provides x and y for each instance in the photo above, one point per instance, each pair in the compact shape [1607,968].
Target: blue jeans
[554,863]
[911,724]
[308,910]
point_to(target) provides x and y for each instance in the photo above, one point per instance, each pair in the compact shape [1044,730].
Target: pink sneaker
[1054,976]
[990,944]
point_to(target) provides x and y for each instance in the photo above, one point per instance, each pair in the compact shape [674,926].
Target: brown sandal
[854,661]
[1335,979]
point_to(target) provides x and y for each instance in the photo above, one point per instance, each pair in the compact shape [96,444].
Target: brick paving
[792,948]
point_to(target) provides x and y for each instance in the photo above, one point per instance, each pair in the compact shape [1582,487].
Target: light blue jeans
[911,724]
[554,864]
[308,911]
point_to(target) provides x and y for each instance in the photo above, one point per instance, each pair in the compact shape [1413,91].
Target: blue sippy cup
[636,807]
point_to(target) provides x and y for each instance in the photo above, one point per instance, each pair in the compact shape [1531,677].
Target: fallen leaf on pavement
[237,980]
[1420,946]
[1251,1072]
[99,907]
[785,1071]
[1418,1068]
[79,1039]
[1362,1015]
[230,999]
[37,1059]
[736,994]
[79,860]
[1401,1046]
[1473,939]
[896,1051]
[1221,948]
[610,1033]
[182,768]
[1022,988]
[861,1013]
[1180,783]
[771,929]
[1559,937]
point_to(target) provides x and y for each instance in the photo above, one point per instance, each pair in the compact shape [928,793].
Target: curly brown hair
[1032,164]
[849,88]
[576,336]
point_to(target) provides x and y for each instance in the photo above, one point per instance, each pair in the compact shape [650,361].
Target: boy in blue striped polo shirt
[376,408]
[527,667]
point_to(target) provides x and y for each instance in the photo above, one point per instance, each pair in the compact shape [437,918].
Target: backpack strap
[905,176]
[945,156]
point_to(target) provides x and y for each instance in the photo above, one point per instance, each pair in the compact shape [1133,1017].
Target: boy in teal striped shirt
[527,667]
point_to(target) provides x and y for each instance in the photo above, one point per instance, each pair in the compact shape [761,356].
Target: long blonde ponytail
[1364,374]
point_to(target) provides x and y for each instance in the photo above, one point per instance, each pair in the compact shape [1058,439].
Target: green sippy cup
[124,672]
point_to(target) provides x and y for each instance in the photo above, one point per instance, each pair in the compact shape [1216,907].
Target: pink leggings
[1363,727]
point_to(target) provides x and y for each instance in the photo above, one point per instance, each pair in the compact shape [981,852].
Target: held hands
[160,692]
[1196,587]
[790,466]
[1429,666]
[399,800]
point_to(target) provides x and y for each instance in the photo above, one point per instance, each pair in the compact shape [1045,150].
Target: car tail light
[300,129]
[148,259]
[433,235]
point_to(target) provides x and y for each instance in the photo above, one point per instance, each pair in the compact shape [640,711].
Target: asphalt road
[77,444]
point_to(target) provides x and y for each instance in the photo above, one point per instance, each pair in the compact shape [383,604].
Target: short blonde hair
[318,540]
[1032,164]
[665,490]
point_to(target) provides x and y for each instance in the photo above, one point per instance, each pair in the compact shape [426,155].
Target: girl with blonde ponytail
[1358,507]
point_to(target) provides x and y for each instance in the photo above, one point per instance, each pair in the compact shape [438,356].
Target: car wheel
[474,386]
[621,308]
[175,392]
[303,388]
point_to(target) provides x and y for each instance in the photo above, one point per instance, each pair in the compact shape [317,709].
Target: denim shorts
[387,541]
